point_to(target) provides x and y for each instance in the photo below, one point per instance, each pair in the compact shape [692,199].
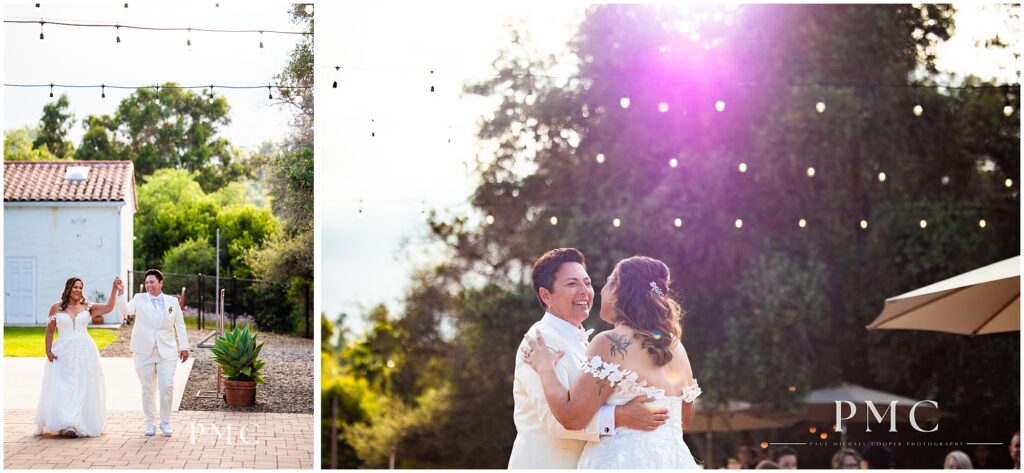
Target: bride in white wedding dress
[641,356]
[73,398]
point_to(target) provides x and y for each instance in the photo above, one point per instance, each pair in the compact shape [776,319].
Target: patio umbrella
[979,302]
[736,417]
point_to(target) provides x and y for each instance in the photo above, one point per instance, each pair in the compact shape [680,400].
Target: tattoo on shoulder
[619,345]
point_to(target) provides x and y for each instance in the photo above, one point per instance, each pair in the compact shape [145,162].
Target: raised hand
[538,355]
[118,287]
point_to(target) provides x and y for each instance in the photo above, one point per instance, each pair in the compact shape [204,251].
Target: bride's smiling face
[76,291]
[607,312]
[572,294]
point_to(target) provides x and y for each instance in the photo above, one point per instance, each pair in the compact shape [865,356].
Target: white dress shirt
[570,332]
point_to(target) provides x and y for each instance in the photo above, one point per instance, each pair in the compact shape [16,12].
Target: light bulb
[918,110]
[820,107]
[42,37]
[308,8]
[624,102]
[1007,109]
[923,223]
[945,180]
[103,91]
[51,91]
[739,223]
[982,223]
[810,172]
[802,223]
[1008,183]
[678,222]
[673,163]
[490,219]
[616,223]
[881,177]
[743,167]
[720,105]
[600,158]
[663,107]
[863,224]
[554,220]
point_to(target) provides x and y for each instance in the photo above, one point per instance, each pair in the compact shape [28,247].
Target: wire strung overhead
[103,87]
[116,26]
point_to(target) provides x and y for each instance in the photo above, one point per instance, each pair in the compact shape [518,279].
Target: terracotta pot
[240,393]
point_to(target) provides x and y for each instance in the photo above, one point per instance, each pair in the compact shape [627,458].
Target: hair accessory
[657,290]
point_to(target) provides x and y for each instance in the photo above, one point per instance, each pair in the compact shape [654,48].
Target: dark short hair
[155,273]
[781,452]
[548,264]
[878,456]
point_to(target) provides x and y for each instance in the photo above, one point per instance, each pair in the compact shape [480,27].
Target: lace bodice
[662,448]
[628,385]
[68,324]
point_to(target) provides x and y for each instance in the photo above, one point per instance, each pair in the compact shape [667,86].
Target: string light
[270,96]
[923,223]
[820,106]
[117,30]
[810,172]
[261,40]
[336,69]
[51,91]
[554,220]
[599,158]
[720,105]
[373,133]
[156,28]
[663,107]
[616,223]
[863,224]
[431,81]
[672,163]
[982,223]
[802,223]
[489,219]
[624,102]
[918,110]
[42,37]
[792,389]
[881,177]
[743,167]
[824,435]
[945,180]
[210,97]
[308,8]
[188,40]
[739,223]
[813,429]
[678,222]
[103,91]
[1008,183]
[1007,108]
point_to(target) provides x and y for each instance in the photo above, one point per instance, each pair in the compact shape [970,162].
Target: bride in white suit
[158,318]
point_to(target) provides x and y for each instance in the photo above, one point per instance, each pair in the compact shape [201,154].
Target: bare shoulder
[54,308]
[613,344]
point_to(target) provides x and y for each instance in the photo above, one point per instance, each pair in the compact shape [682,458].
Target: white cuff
[606,419]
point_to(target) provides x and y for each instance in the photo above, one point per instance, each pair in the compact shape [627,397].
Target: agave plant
[236,352]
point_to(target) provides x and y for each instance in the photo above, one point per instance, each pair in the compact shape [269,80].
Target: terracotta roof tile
[43,181]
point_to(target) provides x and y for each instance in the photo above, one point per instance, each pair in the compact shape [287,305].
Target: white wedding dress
[73,395]
[634,449]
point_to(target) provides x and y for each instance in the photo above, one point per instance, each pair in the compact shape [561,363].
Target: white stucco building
[63,219]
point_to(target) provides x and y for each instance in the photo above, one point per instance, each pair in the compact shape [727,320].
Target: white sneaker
[150,430]
[165,427]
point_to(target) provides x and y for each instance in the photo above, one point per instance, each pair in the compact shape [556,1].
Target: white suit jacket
[152,328]
[541,442]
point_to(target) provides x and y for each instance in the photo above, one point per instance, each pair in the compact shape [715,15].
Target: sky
[91,56]
[382,137]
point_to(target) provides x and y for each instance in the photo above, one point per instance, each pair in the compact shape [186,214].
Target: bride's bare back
[626,350]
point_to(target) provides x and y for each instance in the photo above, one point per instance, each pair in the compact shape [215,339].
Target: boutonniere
[170,310]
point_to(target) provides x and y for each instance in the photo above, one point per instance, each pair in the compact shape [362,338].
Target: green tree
[169,127]
[193,256]
[18,146]
[54,127]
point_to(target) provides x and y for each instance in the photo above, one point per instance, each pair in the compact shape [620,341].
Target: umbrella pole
[707,442]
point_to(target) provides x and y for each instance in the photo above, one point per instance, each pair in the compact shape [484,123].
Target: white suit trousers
[156,373]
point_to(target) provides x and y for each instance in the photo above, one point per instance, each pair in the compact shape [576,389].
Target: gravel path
[289,373]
